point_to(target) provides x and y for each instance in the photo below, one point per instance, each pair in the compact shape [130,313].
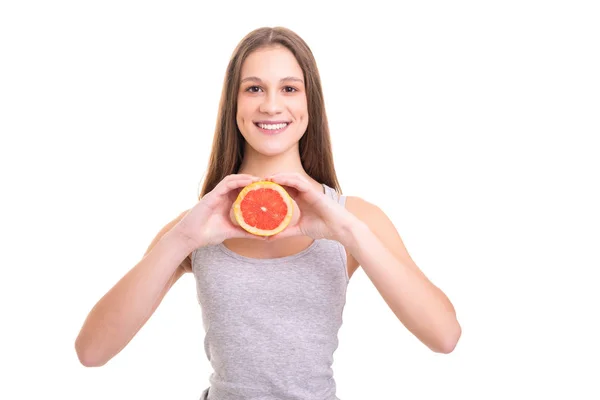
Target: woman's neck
[263,166]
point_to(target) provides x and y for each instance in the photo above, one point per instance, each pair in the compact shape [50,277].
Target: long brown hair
[228,143]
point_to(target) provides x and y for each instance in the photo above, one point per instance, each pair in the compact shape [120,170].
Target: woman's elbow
[449,340]
[86,357]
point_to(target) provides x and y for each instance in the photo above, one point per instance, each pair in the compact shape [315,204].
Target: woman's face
[272,112]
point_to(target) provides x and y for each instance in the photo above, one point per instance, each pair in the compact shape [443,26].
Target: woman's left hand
[320,216]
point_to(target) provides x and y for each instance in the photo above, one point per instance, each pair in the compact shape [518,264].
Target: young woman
[272,307]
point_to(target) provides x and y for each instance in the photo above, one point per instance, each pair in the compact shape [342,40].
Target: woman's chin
[271,151]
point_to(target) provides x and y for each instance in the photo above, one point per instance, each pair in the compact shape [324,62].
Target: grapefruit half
[263,208]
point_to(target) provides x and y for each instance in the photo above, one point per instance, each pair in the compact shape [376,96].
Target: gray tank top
[272,324]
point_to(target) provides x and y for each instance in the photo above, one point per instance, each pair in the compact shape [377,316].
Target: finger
[296,214]
[233,194]
[225,189]
[232,217]
[291,191]
[299,184]
[235,176]
[291,179]
[235,182]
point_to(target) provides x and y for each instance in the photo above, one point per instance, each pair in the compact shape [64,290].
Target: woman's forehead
[272,64]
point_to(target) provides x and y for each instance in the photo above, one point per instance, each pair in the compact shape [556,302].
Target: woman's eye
[256,89]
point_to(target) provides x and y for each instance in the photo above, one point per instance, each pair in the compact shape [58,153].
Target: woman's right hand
[209,222]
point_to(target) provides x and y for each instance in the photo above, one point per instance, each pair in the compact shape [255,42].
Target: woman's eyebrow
[287,78]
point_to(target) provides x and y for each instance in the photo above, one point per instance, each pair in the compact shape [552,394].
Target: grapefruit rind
[237,211]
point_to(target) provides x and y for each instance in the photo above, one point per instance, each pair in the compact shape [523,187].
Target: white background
[473,125]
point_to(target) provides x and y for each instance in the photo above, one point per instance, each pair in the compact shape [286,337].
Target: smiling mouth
[271,129]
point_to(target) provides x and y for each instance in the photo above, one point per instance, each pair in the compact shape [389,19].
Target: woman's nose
[271,104]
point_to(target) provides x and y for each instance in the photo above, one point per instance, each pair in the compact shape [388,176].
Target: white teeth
[272,126]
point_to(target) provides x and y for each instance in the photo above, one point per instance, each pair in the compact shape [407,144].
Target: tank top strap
[331,192]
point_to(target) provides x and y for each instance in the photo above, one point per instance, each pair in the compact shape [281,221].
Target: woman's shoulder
[380,224]
[361,207]
[371,215]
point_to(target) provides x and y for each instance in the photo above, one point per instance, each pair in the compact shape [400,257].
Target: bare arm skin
[125,308]
[121,313]
[422,307]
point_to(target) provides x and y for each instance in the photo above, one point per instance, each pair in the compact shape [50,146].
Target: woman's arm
[121,313]
[371,239]
[422,307]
